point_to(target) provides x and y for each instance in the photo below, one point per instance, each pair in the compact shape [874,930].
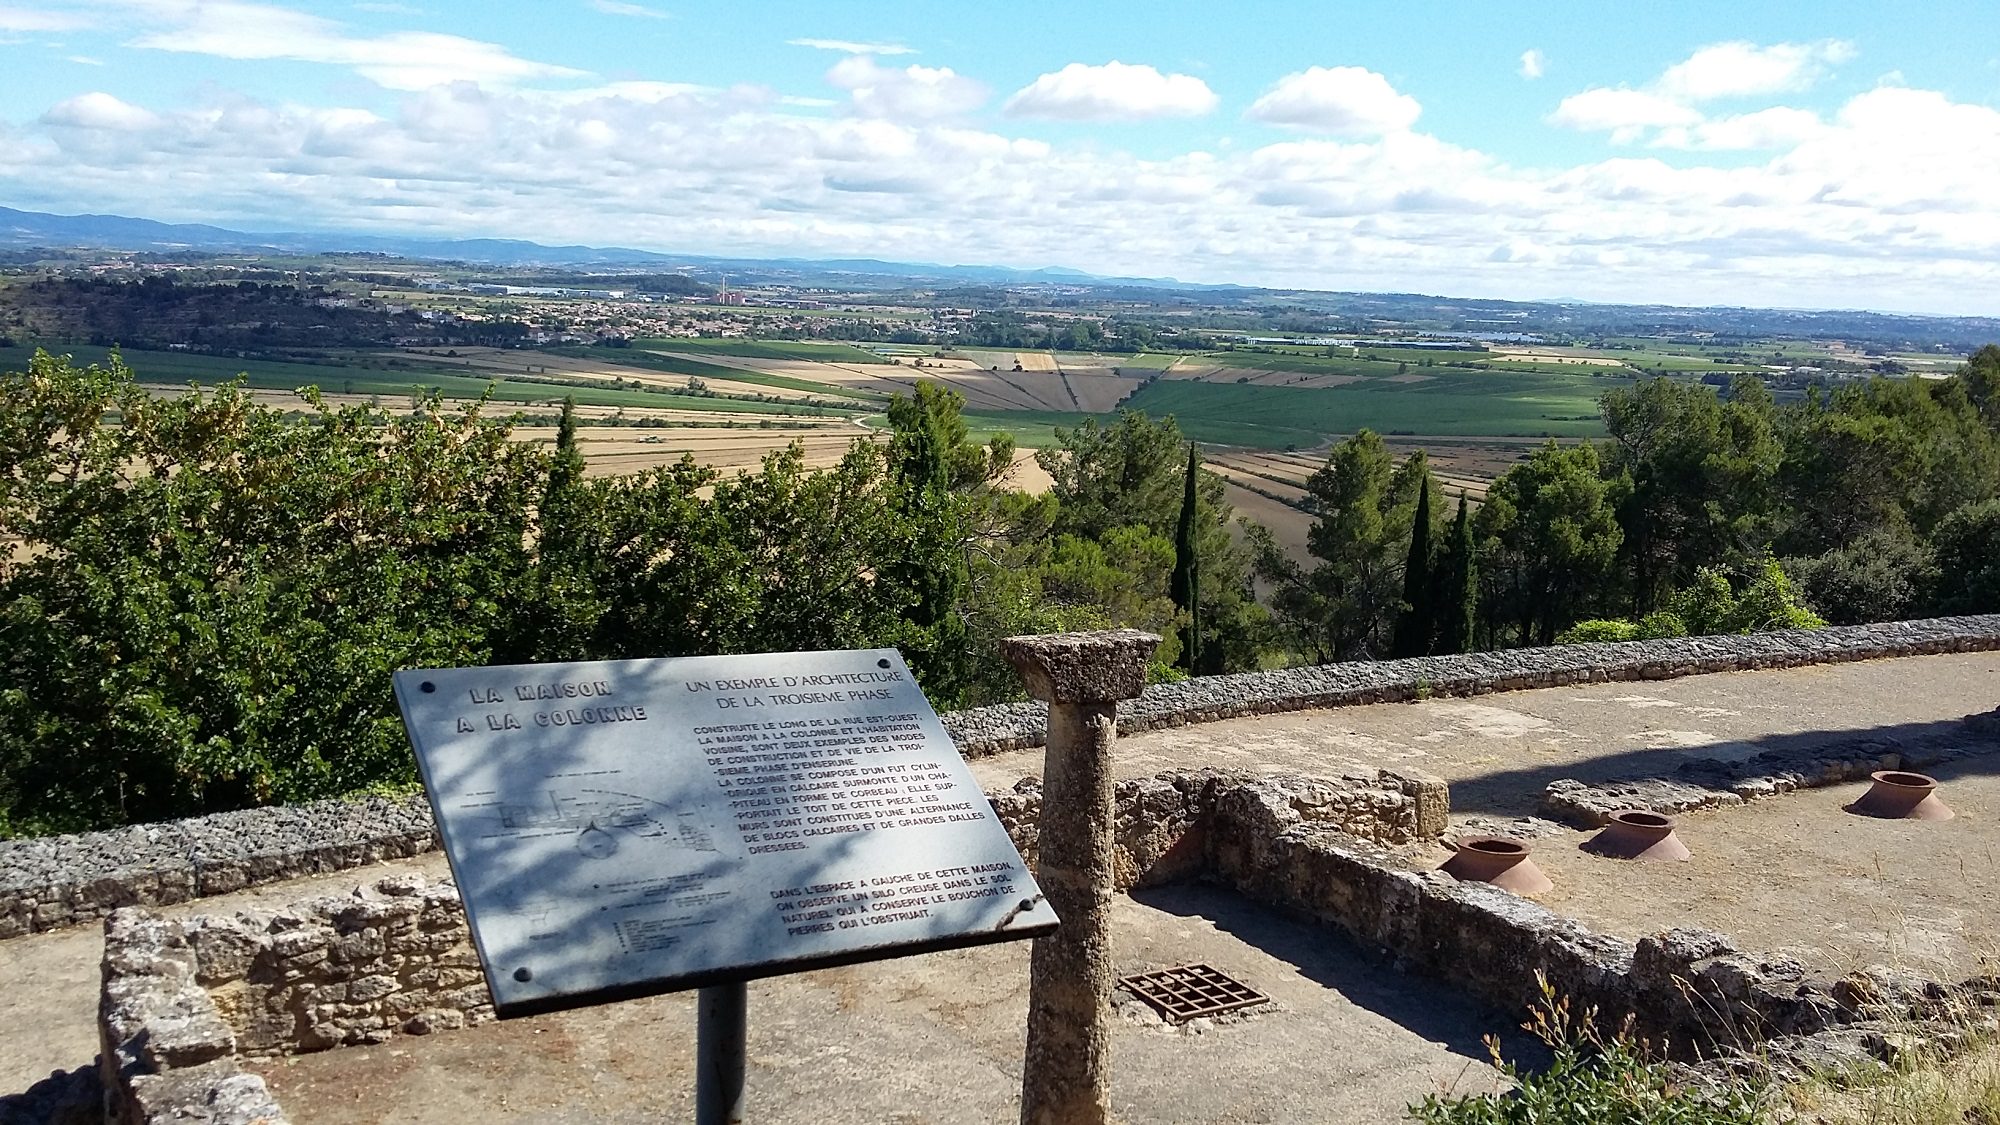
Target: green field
[1453,403]
[182,368]
[1147,361]
[1393,363]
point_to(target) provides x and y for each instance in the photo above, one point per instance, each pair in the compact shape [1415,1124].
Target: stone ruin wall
[52,882]
[185,999]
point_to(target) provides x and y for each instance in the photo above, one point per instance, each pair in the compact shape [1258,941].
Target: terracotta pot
[1636,834]
[1897,795]
[1499,861]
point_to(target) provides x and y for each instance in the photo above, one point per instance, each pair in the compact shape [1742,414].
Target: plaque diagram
[604,821]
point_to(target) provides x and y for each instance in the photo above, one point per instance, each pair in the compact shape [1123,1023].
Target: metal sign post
[625,828]
[721,1026]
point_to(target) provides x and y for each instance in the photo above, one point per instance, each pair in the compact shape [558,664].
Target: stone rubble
[1711,783]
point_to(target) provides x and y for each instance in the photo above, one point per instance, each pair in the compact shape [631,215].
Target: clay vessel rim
[1903,779]
[1493,845]
[1641,818]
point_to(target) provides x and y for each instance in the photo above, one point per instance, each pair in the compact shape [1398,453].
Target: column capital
[1103,666]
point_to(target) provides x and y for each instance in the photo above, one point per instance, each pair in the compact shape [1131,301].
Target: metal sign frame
[490,741]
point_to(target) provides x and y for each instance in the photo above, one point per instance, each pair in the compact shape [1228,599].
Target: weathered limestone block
[216,1094]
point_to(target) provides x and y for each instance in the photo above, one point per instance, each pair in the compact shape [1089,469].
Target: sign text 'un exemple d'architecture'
[620,828]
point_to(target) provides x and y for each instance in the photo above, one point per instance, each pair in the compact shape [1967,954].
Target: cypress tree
[1185,588]
[1414,627]
[559,494]
[1459,609]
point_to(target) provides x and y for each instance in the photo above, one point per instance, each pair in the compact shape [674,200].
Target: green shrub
[1598,629]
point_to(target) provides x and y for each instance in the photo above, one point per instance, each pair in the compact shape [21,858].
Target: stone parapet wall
[1207,699]
[52,882]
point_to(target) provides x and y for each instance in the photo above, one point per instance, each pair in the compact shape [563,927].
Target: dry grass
[1923,1089]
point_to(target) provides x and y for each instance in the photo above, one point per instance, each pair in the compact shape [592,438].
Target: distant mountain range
[1457,317]
[22,230]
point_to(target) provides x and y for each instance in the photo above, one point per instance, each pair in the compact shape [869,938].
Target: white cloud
[1115,91]
[1345,101]
[85,60]
[14,19]
[735,171]
[1624,113]
[905,93]
[1779,127]
[403,60]
[850,47]
[1739,69]
[1533,62]
[621,8]
[1668,106]
[99,110]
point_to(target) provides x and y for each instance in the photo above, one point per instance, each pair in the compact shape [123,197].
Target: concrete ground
[1799,877]
[1851,889]
[1499,751]
[938,1038]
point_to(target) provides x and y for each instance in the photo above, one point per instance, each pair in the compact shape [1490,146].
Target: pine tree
[1185,588]
[1414,627]
[1459,608]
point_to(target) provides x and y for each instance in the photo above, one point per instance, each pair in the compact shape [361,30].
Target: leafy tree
[928,455]
[559,604]
[1345,605]
[1549,539]
[1886,575]
[212,593]
[1894,452]
[1131,474]
[1694,477]
[1968,560]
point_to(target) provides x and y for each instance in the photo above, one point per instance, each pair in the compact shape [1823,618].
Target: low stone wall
[51,882]
[1162,822]
[183,1000]
[1711,783]
[1207,699]
[1690,988]
[54,881]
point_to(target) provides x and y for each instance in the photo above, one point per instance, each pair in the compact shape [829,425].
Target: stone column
[1082,676]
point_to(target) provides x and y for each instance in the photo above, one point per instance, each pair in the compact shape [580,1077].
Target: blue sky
[1821,154]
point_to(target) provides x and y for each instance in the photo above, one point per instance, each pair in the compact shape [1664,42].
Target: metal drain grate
[1182,993]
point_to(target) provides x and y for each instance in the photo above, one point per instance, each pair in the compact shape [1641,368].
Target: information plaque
[621,828]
